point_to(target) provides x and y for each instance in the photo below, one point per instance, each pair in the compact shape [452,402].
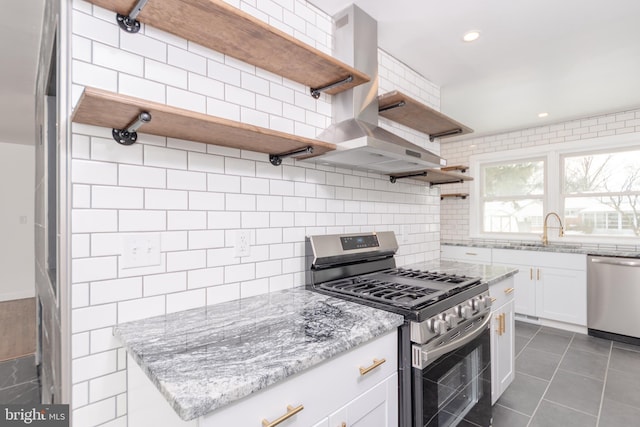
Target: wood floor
[17,328]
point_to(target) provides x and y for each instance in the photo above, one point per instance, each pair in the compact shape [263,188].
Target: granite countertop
[205,358]
[488,274]
[630,251]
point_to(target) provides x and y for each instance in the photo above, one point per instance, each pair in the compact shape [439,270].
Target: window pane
[517,216]
[602,173]
[514,179]
[615,215]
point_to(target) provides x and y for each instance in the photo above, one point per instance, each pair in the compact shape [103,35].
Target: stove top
[401,288]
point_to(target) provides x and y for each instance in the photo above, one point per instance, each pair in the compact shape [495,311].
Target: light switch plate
[141,250]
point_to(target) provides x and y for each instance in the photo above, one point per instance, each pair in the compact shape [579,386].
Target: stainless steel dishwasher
[613,298]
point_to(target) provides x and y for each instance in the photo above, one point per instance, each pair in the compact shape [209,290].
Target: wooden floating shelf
[107,109]
[407,111]
[226,29]
[433,177]
[454,196]
[461,168]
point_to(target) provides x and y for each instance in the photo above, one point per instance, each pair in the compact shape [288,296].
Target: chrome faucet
[545,239]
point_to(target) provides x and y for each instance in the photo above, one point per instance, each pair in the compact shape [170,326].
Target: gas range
[444,314]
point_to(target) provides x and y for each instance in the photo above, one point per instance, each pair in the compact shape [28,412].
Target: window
[513,196]
[595,192]
[601,193]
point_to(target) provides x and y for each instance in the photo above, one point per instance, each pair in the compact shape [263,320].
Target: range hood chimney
[362,144]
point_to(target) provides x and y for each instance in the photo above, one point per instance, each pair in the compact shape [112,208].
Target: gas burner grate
[430,275]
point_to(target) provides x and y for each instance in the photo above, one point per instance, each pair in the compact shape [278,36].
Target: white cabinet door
[526,287]
[562,295]
[323,423]
[466,254]
[377,407]
[505,371]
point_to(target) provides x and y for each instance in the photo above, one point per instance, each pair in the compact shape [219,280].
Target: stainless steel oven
[451,379]
[443,350]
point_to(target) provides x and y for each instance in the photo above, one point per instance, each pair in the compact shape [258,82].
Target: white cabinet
[334,385]
[502,337]
[549,285]
[466,254]
[377,407]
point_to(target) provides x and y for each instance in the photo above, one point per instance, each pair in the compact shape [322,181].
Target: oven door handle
[421,358]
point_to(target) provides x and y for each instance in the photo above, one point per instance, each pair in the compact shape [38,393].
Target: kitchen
[197,197]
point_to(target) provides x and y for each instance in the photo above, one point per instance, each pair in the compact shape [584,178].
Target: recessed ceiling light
[543,115]
[471,36]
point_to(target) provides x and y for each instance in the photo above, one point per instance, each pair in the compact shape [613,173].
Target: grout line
[551,380]
[604,385]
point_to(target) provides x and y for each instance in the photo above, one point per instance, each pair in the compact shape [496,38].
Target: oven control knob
[478,304]
[437,326]
[465,311]
[450,320]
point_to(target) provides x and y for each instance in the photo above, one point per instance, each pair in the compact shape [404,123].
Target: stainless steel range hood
[362,144]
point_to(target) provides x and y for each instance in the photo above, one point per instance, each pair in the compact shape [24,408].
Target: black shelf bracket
[129,23]
[393,178]
[456,181]
[276,159]
[315,92]
[452,132]
[392,106]
[129,135]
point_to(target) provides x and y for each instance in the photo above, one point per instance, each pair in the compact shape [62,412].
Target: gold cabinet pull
[508,291]
[530,273]
[538,276]
[344,425]
[499,328]
[492,299]
[471,253]
[503,323]
[376,363]
[291,411]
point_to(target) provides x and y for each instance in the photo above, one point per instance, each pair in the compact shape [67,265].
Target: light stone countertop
[629,251]
[205,358]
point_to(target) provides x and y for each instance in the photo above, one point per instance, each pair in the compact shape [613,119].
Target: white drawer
[466,254]
[321,390]
[502,291]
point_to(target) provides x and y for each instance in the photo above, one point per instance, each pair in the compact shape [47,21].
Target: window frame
[553,199]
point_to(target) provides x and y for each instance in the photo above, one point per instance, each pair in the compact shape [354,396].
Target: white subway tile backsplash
[116,198]
[223,293]
[206,277]
[141,88]
[181,58]
[240,202]
[141,176]
[89,172]
[186,220]
[183,144]
[95,414]
[240,167]
[224,73]
[80,394]
[165,157]
[94,220]
[116,59]
[206,239]
[206,86]
[88,318]
[165,37]
[95,29]
[186,260]
[206,163]
[138,220]
[255,219]
[223,220]
[239,273]
[108,385]
[165,199]
[145,46]
[109,151]
[281,188]
[158,284]
[107,291]
[223,109]
[186,180]
[103,340]
[142,308]
[91,75]
[188,100]
[186,300]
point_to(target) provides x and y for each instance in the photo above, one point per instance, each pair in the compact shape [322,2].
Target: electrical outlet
[243,243]
[141,250]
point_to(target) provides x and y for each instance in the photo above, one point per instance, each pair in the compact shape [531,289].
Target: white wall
[17,175]
[197,196]
[454,213]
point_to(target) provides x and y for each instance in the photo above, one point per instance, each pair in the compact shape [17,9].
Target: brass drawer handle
[503,323]
[376,363]
[531,274]
[492,299]
[508,291]
[471,253]
[538,275]
[291,411]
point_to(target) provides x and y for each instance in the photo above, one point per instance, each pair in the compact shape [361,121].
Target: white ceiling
[570,58]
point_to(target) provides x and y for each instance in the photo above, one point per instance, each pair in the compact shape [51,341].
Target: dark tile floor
[566,379]
[19,381]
